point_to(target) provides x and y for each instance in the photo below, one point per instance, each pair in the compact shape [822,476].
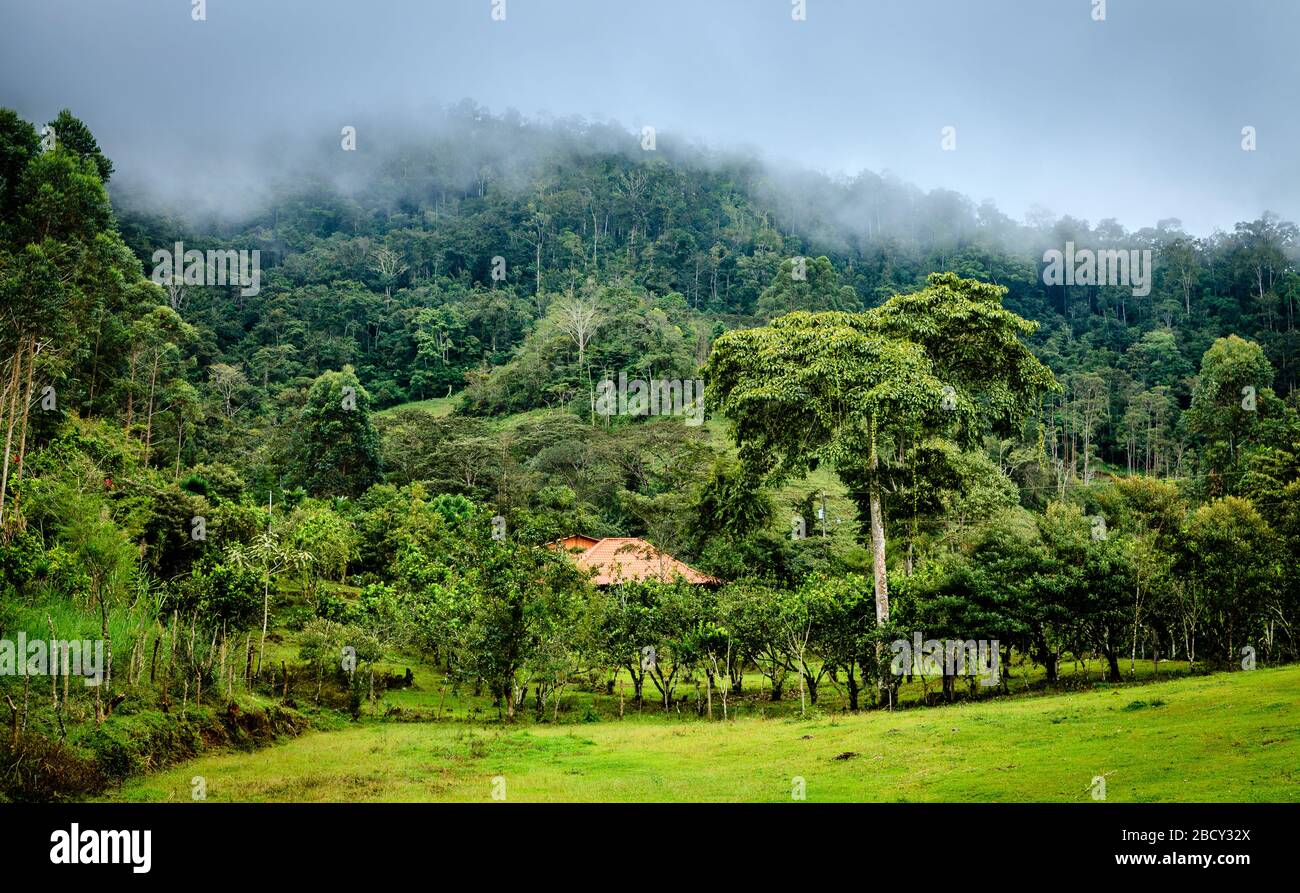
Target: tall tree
[337,449]
[825,387]
[1231,393]
[841,388]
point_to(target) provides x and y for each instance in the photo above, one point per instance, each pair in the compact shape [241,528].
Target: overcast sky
[1137,117]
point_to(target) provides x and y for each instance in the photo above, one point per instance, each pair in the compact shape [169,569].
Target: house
[623,559]
[575,543]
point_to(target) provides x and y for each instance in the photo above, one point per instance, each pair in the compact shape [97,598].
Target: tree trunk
[878,571]
[1051,666]
[266,613]
[11,395]
[1112,660]
[148,427]
[812,688]
[879,574]
[802,703]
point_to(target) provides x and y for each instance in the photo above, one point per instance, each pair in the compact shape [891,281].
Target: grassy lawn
[1226,737]
[435,406]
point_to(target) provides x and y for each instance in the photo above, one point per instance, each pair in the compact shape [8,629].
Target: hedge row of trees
[1209,585]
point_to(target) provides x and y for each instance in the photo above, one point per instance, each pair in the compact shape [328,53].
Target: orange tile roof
[623,559]
[574,542]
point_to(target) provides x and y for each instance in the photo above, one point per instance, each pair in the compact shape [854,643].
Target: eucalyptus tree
[61,262]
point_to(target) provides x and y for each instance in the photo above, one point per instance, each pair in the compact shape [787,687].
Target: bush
[41,770]
[224,593]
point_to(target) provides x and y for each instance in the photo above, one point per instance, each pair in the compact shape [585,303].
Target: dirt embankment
[39,768]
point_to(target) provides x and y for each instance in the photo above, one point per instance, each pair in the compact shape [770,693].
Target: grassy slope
[1216,738]
[436,406]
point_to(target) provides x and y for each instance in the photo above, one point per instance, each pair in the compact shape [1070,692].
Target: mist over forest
[710,226]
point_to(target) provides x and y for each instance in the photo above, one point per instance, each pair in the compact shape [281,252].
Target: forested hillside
[391,270]
[1067,470]
[390,267]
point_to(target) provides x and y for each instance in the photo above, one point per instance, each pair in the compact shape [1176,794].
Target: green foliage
[1230,565]
[892,376]
[224,593]
[18,143]
[814,388]
[337,449]
[1231,393]
[509,610]
[808,284]
[326,542]
[731,504]
[74,135]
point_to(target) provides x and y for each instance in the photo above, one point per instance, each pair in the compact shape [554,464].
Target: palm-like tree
[272,556]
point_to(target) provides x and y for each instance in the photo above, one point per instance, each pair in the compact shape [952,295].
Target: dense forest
[1067,470]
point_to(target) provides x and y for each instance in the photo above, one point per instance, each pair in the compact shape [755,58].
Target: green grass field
[436,406]
[1226,737]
